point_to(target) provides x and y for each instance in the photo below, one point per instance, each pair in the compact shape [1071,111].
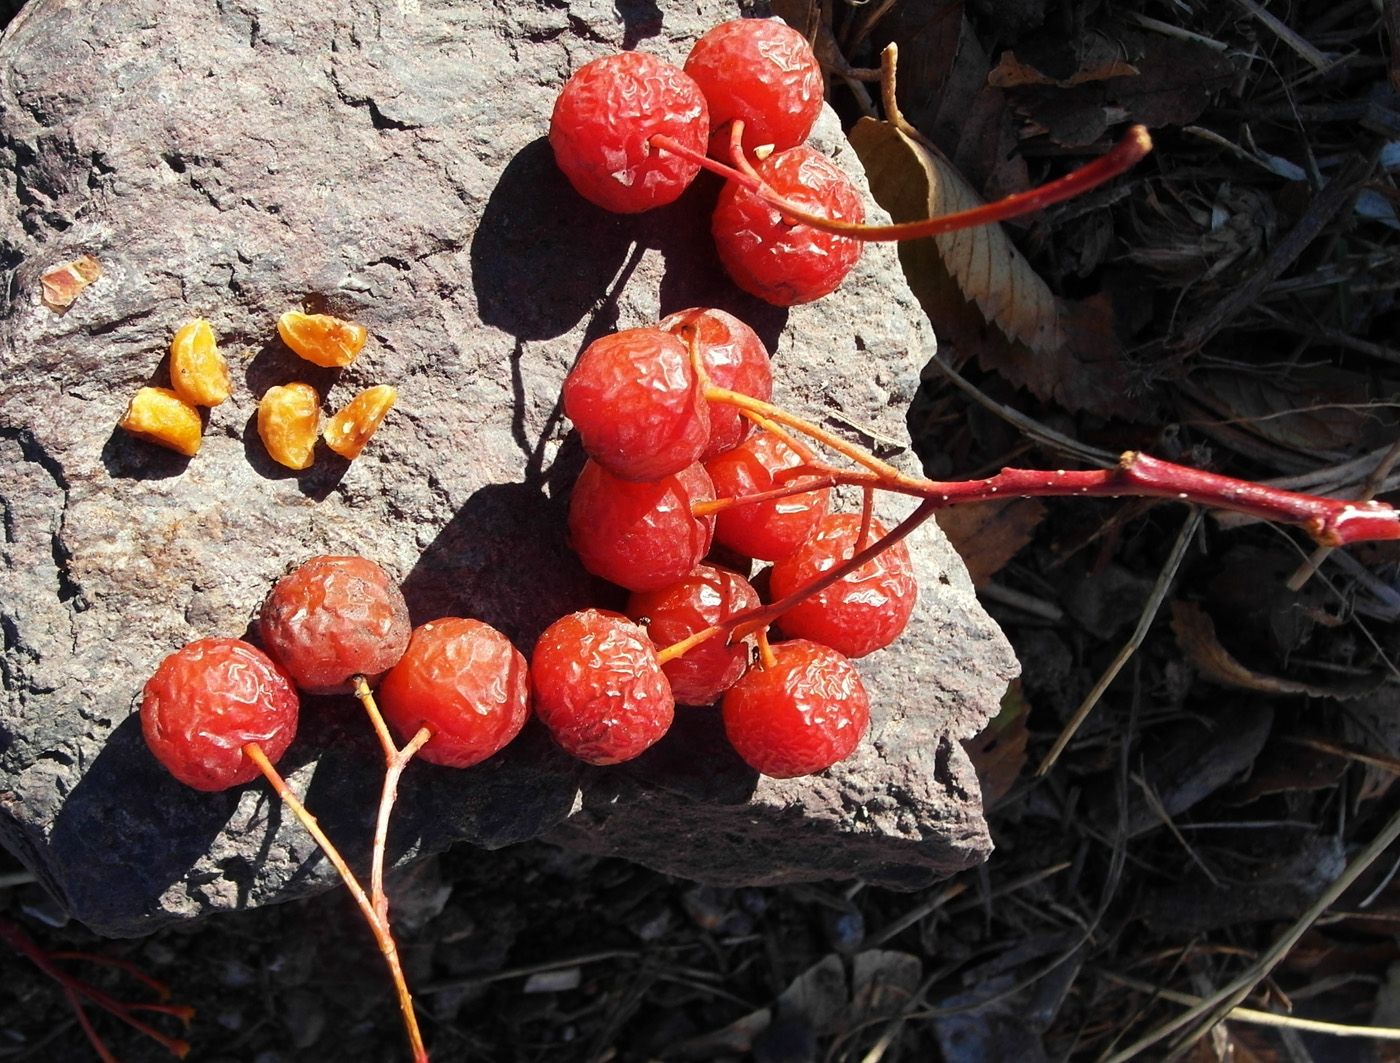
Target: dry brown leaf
[912,180]
[64,283]
[987,535]
[998,752]
[1195,634]
[1100,60]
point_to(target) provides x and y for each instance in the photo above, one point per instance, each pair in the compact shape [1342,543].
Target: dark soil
[1223,779]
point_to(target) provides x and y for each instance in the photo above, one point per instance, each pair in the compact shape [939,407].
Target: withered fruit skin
[322,339]
[289,420]
[160,416]
[198,369]
[350,428]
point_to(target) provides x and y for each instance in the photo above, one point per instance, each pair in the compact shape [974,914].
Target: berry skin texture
[641,536]
[332,619]
[467,682]
[763,72]
[736,360]
[781,262]
[599,688]
[697,601]
[604,120]
[634,399]
[321,339]
[209,699]
[765,530]
[860,613]
[800,715]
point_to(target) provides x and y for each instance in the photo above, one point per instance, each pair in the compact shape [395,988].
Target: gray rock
[383,160]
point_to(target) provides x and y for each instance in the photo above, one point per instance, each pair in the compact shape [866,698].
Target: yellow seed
[289,419]
[349,430]
[322,339]
[197,368]
[158,415]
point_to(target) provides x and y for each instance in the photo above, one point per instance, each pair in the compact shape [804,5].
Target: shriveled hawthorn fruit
[781,261]
[289,422]
[198,370]
[603,123]
[351,427]
[463,679]
[322,339]
[693,603]
[763,72]
[599,688]
[635,401]
[334,618]
[863,611]
[158,415]
[641,536]
[210,699]
[773,528]
[801,714]
[735,359]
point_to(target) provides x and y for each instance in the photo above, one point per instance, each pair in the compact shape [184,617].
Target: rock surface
[383,160]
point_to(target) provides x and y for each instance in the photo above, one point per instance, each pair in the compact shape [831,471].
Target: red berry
[641,536]
[736,359]
[634,399]
[777,260]
[467,682]
[332,619]
[860,613]
[599,688]
[603,123]
[207,701]
[765,530]
[763,72]
[697,601]
[800,715]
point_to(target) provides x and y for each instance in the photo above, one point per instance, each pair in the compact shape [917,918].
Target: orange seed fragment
[289,419]
[158,415]
[349,430]
[322,339]
[198,370]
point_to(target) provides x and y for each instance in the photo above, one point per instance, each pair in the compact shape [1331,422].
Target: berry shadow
[640,19]
[126,457]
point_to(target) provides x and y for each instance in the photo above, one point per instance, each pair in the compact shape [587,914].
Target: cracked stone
[385,162]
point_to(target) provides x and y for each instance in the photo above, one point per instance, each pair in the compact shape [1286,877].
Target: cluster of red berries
[631,131]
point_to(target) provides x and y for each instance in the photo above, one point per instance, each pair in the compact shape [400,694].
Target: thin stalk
[379,927]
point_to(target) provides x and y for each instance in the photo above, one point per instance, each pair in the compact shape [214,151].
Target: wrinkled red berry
[763,72]
[697,601]
[736,359]
[800,715]
[603,123]
[641,536]
[332,619]
[207,701]
[765,530]
[863,611]
[599,688]
[777,260]
[467,682]
[636,404]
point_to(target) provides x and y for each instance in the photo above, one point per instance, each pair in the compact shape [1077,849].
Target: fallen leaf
[818,995]
[929,36]
[1195,634]
[911,179]
[987,535]
[1097,58]
[998,752]
[64,283]
[883,981]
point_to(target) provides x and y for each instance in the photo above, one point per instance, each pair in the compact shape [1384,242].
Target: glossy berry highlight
[773,528]
[781,261]
[465,681]
[863,611]
[206,701]
[603,123]
[334,618]
[763,72]
[599,688]
[798,715]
